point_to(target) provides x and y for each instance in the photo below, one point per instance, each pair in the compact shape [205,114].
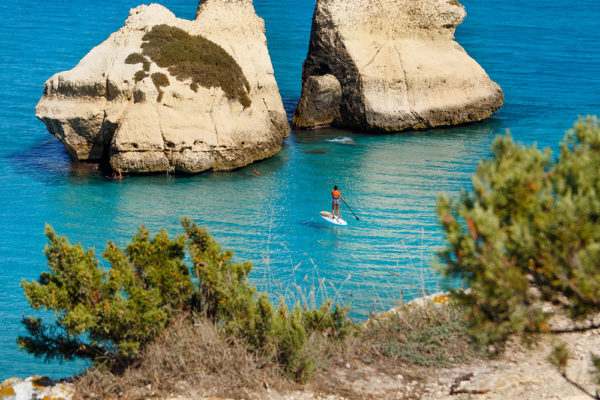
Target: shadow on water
[47,161]
[316,151]
[290,107]
[314,225]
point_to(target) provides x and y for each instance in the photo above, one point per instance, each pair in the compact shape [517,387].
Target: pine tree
[104,314]
[527,233]
[108,315]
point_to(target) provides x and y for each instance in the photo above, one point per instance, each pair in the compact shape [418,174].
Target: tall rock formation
[164,94]
[397,65]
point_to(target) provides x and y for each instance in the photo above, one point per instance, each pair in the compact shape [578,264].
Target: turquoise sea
[545,56]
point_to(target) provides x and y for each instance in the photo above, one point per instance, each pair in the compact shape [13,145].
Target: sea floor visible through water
[545,56]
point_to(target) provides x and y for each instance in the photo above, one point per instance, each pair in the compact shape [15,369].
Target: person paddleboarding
[335,205]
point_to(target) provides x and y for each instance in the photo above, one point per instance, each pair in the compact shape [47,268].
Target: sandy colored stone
[320,102]
[98,111]
[398,65]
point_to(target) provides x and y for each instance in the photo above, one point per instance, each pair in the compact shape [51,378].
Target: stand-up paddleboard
[327,216]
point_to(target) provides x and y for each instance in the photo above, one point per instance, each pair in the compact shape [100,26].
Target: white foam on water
[344,139]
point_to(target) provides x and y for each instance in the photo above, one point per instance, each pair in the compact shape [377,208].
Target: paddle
[358,219]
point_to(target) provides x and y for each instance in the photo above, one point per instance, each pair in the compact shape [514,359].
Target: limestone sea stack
[391,65]
[168,94]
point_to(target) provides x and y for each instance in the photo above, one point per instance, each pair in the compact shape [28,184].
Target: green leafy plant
[527,233]
[111,314]
[102,313]
[225,295]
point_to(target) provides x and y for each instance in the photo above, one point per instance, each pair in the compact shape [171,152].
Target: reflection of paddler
[335,205]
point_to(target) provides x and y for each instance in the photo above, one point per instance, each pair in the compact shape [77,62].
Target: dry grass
[431,336]
[190,358]
[193,360]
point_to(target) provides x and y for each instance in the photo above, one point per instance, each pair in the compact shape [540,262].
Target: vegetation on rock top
[160,80]
[137,58]
[139,76]
[196,58]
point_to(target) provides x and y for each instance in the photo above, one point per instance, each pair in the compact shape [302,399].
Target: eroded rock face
[132,102]
[320,102]
[397,64]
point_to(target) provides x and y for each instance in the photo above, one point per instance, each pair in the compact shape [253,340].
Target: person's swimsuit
[335,194]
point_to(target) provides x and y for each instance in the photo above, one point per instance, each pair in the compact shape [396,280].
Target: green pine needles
[528,234]
[108,315]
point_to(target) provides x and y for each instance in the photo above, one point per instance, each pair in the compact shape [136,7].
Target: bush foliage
[226,296]
[196,58]
[140,76]
[137,58]
[106,313]
[160,80]
[431,335]
[111,314]
[528,233]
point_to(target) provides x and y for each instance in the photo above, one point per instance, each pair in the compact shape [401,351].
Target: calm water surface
[546,57]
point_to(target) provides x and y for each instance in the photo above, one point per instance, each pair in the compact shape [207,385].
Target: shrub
[528,233]
[426,335]
[112,314]
[196,58]
[135,58]
[106,313]
[225,295]
[139,76]
[160,80]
